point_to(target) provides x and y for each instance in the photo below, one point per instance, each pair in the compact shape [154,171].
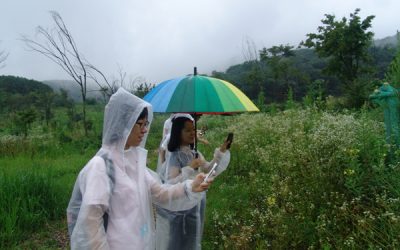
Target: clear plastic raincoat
[183,229]
[111,203]
[161,166]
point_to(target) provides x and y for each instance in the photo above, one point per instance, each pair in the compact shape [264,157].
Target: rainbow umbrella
[197,94]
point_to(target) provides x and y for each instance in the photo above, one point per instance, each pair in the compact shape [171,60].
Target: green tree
[345,44]
[142,89]
[393,73]
[290,104]
[277,58]
[44,102]
[261,100]
[280,62]
[23,120]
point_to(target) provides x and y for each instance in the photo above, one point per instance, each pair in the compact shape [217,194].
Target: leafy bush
[306,179]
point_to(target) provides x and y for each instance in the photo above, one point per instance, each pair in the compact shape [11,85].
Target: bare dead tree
[58,45]
[109,85]
[249,50]
[106,87]
[139,86]
[134,82]
[3,58]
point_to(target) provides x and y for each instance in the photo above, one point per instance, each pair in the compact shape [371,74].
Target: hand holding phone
[212,171]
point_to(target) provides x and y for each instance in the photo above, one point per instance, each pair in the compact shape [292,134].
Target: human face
[137,133]
[188,134]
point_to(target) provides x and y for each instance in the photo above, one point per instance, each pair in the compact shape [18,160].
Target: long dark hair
[176,133]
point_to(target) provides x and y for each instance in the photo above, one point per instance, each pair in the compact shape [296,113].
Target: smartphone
[211,172]
[230,139]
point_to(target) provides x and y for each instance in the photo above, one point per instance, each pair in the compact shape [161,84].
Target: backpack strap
[110,170]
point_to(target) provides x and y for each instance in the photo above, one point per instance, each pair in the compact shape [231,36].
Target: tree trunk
[84,112]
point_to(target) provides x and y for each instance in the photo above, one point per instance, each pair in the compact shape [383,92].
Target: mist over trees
[341,59]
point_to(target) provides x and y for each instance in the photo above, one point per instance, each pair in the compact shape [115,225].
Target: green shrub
[306,179]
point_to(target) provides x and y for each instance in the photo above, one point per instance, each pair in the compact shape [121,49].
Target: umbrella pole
[195,138]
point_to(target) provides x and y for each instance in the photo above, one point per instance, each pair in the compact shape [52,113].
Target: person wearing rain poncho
[183,229]
[111,203]
[163,148]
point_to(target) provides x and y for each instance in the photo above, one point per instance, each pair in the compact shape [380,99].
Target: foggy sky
[163,39]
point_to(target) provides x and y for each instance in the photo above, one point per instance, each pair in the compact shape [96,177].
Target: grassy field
[299,179]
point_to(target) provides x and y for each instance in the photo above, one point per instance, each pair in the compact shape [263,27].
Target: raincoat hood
[120,115]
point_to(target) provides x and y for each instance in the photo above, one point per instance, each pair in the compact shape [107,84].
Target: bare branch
[249,50]
[59,46]
[3,58]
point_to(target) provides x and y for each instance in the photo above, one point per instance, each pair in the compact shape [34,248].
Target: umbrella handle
[196,154]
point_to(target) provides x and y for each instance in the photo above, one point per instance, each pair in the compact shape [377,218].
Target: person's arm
[89,232]
[221,158]
[176,174]
[164,148]
[94,186]
[203,140]
[162,155]
[177,197]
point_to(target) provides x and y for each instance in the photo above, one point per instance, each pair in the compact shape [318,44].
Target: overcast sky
[166,38]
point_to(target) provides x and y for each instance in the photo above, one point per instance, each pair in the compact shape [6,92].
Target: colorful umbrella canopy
[199,95]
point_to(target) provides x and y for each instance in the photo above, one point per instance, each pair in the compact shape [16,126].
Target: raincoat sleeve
[93,184]
[176,174]
[221,158]
[175,197]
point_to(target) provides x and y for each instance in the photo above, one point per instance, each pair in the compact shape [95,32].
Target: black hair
[144,114]
[175,139]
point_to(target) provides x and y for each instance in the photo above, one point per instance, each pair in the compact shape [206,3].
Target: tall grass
[35,191]
[305,179]
[298,179]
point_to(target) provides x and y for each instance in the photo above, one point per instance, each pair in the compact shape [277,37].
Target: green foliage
[19,93]
[345,44]
[290,100]
[261,100]
[23,121]
[315,94]
[313,180]
[34,192]
[381,59]
[20,85]
[301,69]
[356,93]
[143,88]
[393,73]
[276,74]
[277,58]
[297,179]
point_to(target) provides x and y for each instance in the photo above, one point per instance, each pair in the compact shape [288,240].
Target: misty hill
[390,41]
[73,89]
[18,93]
[304,70]
[22,86]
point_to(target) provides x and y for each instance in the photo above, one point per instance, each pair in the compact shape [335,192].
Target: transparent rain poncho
[111,203]
[163,148]
[184,229]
